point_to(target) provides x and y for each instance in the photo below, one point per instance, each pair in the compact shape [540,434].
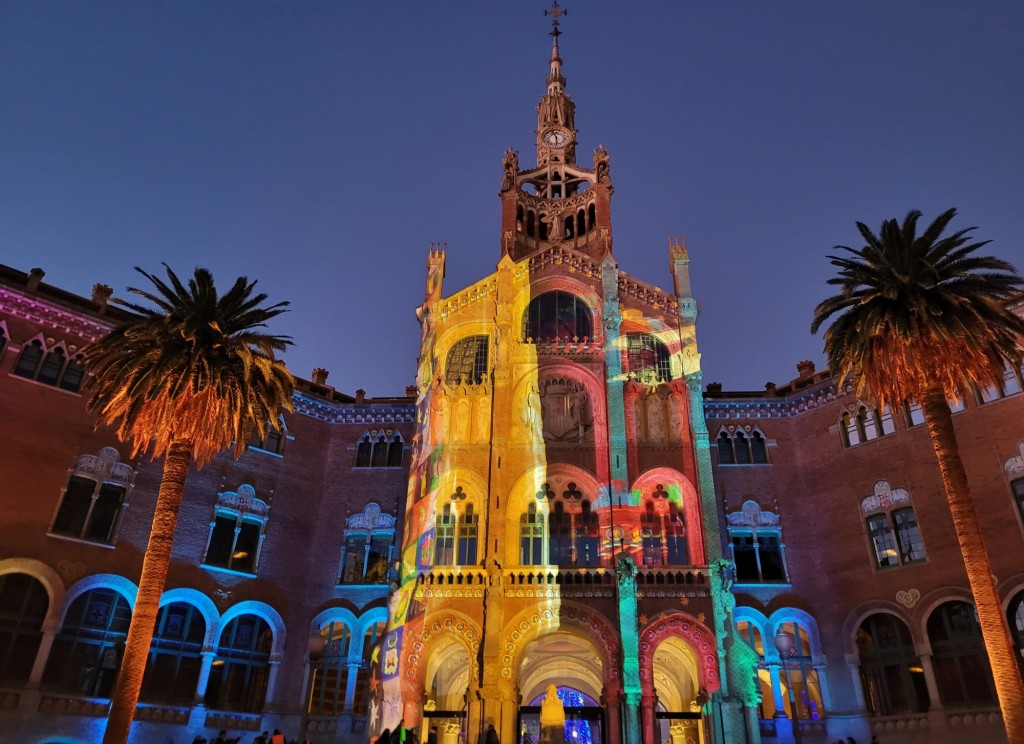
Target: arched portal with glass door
[448,660]
[676,684]
[569,661]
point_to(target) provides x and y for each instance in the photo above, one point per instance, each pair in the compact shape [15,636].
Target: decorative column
[629,636]
[269,698]
[611,701]
[853,664]
[350,683]
[42,655]
[647,704]
[930,681]
[777,700]
[205,665]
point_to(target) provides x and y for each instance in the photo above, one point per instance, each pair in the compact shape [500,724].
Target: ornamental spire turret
[556,131]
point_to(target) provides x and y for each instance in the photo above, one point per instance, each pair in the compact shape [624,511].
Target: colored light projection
[578,730]
[405,607]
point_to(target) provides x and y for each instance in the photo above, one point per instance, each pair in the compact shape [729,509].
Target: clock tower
[561,526]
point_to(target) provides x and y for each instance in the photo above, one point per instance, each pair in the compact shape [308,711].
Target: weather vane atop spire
[555,12]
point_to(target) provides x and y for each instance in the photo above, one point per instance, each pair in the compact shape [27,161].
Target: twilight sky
[319,147]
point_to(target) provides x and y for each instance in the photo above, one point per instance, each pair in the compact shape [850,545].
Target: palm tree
[922,317]
[182,380]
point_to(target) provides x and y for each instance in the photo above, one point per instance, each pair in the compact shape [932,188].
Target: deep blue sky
[321,146]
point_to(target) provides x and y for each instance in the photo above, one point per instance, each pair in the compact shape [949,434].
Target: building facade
[556,502]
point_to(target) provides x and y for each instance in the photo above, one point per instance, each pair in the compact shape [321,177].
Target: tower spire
[556,131]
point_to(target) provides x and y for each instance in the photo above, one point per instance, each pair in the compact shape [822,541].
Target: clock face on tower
[555,138]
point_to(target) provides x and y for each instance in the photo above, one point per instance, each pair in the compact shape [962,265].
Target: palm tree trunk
[994,628]
[151,587]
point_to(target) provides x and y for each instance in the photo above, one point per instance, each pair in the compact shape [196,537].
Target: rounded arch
[265,611]
[928,604]
[648,481]
[800,617]
[1016,586]
[695,634]
[202,603]
[527,402]
[125,587]
[369,618]
[448,625]
[586,301]
[526,487]
[534,622]
[50,580]
[863,611]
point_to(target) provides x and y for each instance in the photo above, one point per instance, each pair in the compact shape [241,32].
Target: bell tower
[558,202]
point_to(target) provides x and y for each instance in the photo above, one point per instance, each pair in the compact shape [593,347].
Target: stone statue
[601,164]
[552,718]
[510,163]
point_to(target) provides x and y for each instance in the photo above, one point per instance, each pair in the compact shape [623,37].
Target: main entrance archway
[572,664]
[676,684]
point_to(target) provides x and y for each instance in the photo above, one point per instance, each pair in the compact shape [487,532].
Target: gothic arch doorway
[447,682]
[676,685]
[571,663]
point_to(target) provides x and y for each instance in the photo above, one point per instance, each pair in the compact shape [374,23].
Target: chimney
[805,368]
[769,388]
[360,396]
[100,295]
[319,376]
[34,277]
[714,388]
[411,391]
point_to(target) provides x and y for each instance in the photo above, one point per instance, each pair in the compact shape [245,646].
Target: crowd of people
[265,738]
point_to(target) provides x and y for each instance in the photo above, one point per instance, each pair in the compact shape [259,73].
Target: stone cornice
[342,413]
[723,409]
[52,315]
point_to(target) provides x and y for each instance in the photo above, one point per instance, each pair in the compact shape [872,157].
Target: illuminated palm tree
[182,380]
[922,317]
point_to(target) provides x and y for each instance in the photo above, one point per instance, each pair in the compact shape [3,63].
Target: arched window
[23,605]
[531,537]
[726,456]
[866,424]
[367,548]
[467,361]
[237,531]
[531,219]
[591,216]
[894,532]
[444,537]
[328,670]
[799,677]
[588,550]
[364,451]
[741,446]
[93,500]
[890,669]
[172,670]
[757,547]
[86,653]
[569,225]
[958,656]
[560,536]
[1015,616]
[647,358]
[29,359]
[663,530]
[468,529]
[370,638]
[380,452]
[581,223]
[758,448]
[752,636]
[52,366]
[238,676]
[395,449]
[73,375]
[557,315]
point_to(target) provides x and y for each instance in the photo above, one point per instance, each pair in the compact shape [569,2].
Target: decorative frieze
[38,311]
[334,413]
[768,408]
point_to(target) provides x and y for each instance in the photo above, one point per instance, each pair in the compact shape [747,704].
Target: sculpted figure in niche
[462,421]
[566,411]
[675,422]
[655,419]
[532,413]
[483,419]
[510,163]
[439,416]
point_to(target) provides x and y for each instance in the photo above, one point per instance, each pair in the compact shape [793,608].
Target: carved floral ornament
[1014,467]
[370,518]
[244,501]
[908,598]
[104,467]
[591,626]
[751,515]
[883,497]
